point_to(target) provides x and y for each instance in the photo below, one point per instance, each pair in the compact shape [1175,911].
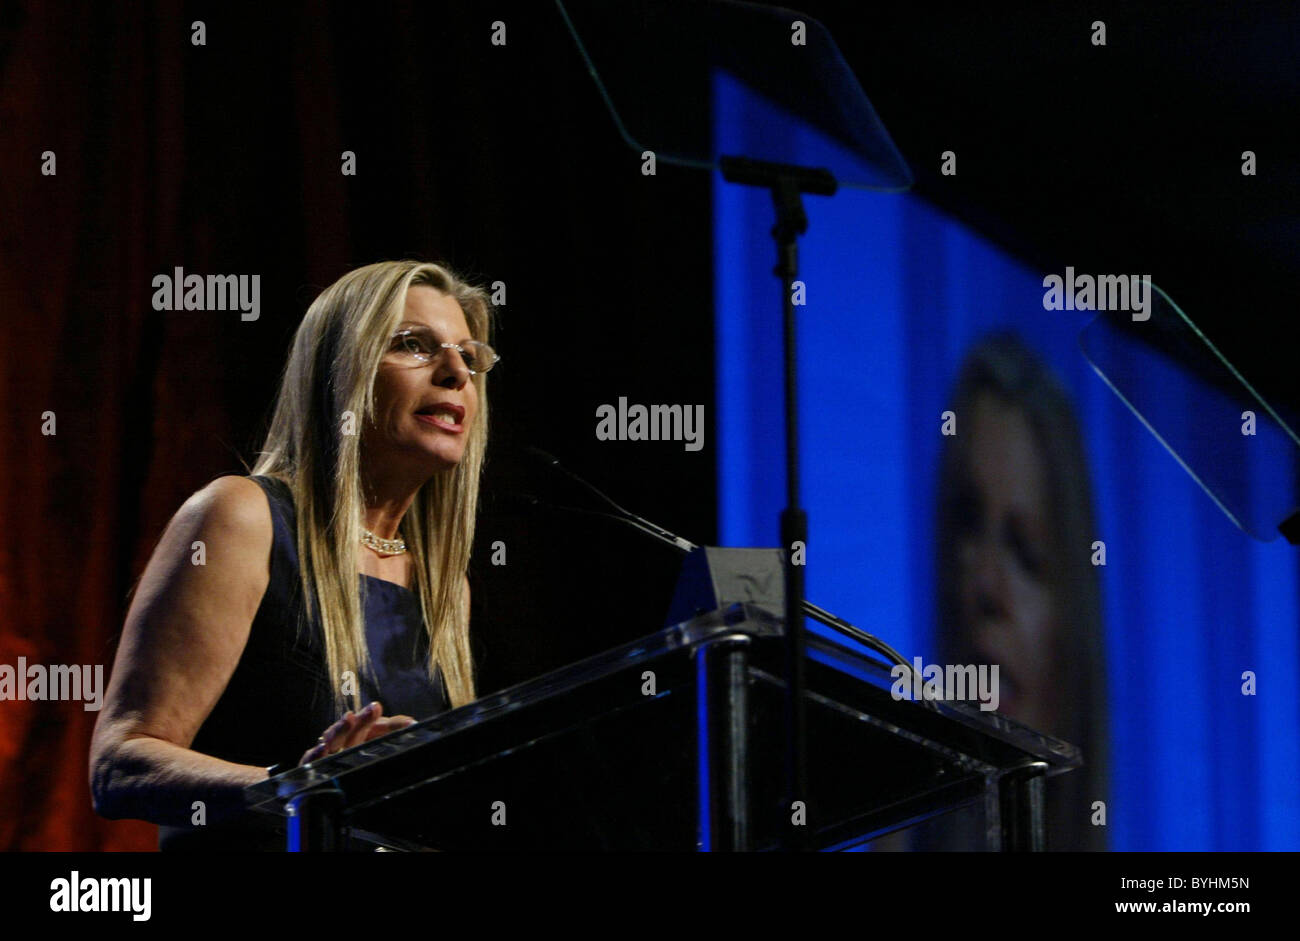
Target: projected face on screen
[1002,524]
[1016,585]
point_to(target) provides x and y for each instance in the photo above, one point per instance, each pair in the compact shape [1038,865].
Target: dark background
[503,162]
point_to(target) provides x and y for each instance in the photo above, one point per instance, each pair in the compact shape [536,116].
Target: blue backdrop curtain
[896,293]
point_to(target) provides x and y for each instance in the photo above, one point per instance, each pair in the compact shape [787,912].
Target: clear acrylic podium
[674,742]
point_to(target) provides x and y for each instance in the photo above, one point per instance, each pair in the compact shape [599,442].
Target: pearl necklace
[383,546]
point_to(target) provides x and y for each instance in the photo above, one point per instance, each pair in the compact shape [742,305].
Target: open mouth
[446,417]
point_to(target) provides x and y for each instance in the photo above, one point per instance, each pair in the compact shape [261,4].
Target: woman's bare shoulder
[232,496]
[231,507]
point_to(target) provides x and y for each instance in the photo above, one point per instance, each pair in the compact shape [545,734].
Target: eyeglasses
[419,347]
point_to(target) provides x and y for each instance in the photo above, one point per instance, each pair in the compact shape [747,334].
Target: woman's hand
[354,729]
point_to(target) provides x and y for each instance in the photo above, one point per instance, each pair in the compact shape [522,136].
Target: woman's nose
[452,373]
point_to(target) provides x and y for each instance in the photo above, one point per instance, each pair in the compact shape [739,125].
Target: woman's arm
[185,632]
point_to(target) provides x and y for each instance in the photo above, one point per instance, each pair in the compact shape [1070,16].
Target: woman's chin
[443,461]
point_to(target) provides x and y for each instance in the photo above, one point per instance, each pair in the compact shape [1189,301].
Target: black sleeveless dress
[279,699]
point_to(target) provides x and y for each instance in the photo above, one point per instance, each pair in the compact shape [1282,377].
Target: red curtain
[115,412]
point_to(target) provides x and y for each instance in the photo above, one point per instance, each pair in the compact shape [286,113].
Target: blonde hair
[326,393]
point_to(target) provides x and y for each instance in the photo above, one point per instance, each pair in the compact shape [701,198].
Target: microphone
[552,465]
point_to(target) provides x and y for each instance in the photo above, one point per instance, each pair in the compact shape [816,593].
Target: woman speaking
[322,601]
